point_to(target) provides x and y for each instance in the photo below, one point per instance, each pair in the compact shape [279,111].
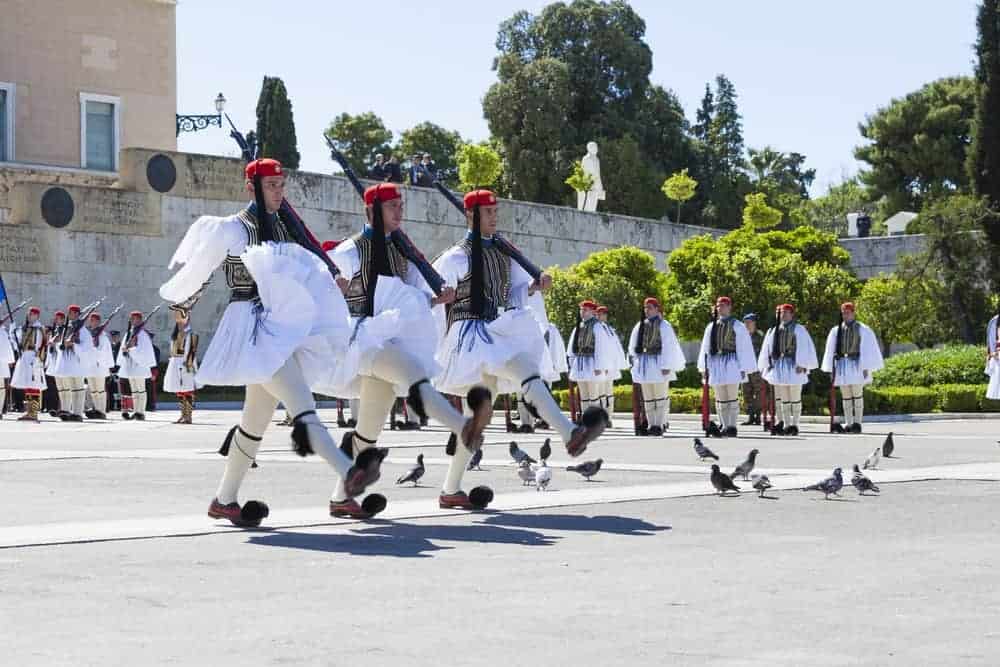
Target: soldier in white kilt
[284,329]
[183,364]
[135,362]
[786,357]
[619,363]
[102,361]
[29,372]
[993,358]
[657,357]
[393,341]
[590,351]
[726,357]
[73,362]
[852,355]
[494,338]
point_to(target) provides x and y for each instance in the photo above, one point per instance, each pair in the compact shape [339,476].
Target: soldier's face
[93,323]
[651,311]
[586,313]
[487,220]
[273,188]
[751,325]
[848,315]
[60,319]
[787,316]
[135,320]
[725,309]
[32,317]
[602,317]
[392,214]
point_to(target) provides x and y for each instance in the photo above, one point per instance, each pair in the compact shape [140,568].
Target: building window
[99,132]
[6,122]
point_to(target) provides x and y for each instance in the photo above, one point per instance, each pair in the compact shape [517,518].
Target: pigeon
[761,483]
[477,457]
[415,473]
[829,485]
[519,455]
[543,475]
[702,451]
[888,446]
[747,466]
[526,474]
[546,451]
[722,482]
[871,463]
[862,483]
[587,469]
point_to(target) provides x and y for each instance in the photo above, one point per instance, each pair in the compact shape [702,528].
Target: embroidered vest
[496,285]
[651,342]
[241,284]
[849,340]
[786,341]
[725,335]
[585,342]
[357,291]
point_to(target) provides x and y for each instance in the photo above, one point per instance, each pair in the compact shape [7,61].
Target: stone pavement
[106,556]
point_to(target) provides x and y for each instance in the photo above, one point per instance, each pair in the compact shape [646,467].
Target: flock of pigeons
[529,470]
[832,485]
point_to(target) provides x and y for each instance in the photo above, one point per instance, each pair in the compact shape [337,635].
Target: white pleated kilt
[647,368]
[783,372]
[29,373]
[178,377]
[4,370]
[581,369]
[131,365]
[71,364]
[404,320]
[849,372]
[473,348]
[724,369]
[300,312]
[993,370]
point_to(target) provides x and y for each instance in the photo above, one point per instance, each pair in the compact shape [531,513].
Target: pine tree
[276,124]
[726,131]
[703,118]
[984,153]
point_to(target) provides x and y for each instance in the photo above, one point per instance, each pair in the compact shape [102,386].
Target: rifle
[704,399]
[502,244]
[100,330]
[133,339]
[73,328]
[398,237]
[11,311]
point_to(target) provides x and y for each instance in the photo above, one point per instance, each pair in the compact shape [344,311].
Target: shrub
[900,400]
[952,364]
[961,397]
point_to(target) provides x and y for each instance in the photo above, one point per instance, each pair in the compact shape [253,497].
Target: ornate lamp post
[189,123]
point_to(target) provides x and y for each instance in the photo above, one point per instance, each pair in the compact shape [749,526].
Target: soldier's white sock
[536,393]
[242,451]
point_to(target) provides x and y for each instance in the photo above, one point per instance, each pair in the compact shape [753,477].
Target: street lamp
[193,123]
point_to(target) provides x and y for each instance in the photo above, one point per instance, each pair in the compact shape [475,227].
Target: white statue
[587,201]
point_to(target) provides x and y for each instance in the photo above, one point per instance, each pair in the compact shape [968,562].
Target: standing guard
[29,372]
[786,357]
[725,360]
[853,355]
[183,365]
[657,357]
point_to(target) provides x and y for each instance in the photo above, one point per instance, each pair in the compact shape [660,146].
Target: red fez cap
[723,300]
[36,310]
[602,309]
[74,307]
[264,167]
[60,313]
[95,315]
[480,198]
[848,305]
[135,313]
[329,245]
[787,306]
[382,192]
[651,301]
[588,304]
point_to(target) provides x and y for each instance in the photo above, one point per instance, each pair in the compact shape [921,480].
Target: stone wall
[880,254]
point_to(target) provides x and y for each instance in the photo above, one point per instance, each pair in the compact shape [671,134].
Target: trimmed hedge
[878,400]
[951,364]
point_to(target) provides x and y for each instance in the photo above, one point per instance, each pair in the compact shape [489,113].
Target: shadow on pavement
[617,525]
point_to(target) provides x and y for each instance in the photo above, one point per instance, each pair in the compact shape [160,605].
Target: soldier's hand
[446,296]
[665,372]
[865,373]
[343,283]
[799,369]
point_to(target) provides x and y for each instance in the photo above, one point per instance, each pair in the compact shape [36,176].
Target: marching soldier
[657,357]
[183,365]
[725,360]
[29,373]
[786,357]
[852,355]
[752,388]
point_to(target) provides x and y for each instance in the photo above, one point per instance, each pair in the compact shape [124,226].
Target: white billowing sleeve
[633,339]
[6,347]
[805,349]
[557,349]
[202,250]
[830,350]
[706,347]
[346,257]
[452,266]
[672,357]
[744,348]
[764,358]
[871,352]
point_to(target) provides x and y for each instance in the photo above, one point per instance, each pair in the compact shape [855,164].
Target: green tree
[829,212]
[580,180]
[478,166]
[359,138]
[782,177]
[276,123]
[757,215]
[631,183]
[906,311]
[442,144]
[680,187]
[984,155]
[917,145]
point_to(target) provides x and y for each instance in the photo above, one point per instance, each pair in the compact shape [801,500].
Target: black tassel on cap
[265,228]
[477,286]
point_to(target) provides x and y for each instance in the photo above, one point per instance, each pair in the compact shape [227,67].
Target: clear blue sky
[806,72]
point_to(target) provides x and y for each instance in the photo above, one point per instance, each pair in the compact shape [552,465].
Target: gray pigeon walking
[862,483]
[546,451]
[543,475]
[747,466]
[722,482]
[587,469]
[888,447]
[474,462]
[702,451]
[526,474]
[761,483]
[829,485]
[871,463]
[415,473]
[519,455]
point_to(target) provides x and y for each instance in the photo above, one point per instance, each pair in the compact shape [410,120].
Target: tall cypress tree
[276,124]
[984,154]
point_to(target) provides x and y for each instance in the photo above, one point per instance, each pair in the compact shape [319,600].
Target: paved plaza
[107,557]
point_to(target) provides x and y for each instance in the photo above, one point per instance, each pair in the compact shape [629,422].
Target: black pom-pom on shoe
[374,503]
[254,511]
[481,497]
